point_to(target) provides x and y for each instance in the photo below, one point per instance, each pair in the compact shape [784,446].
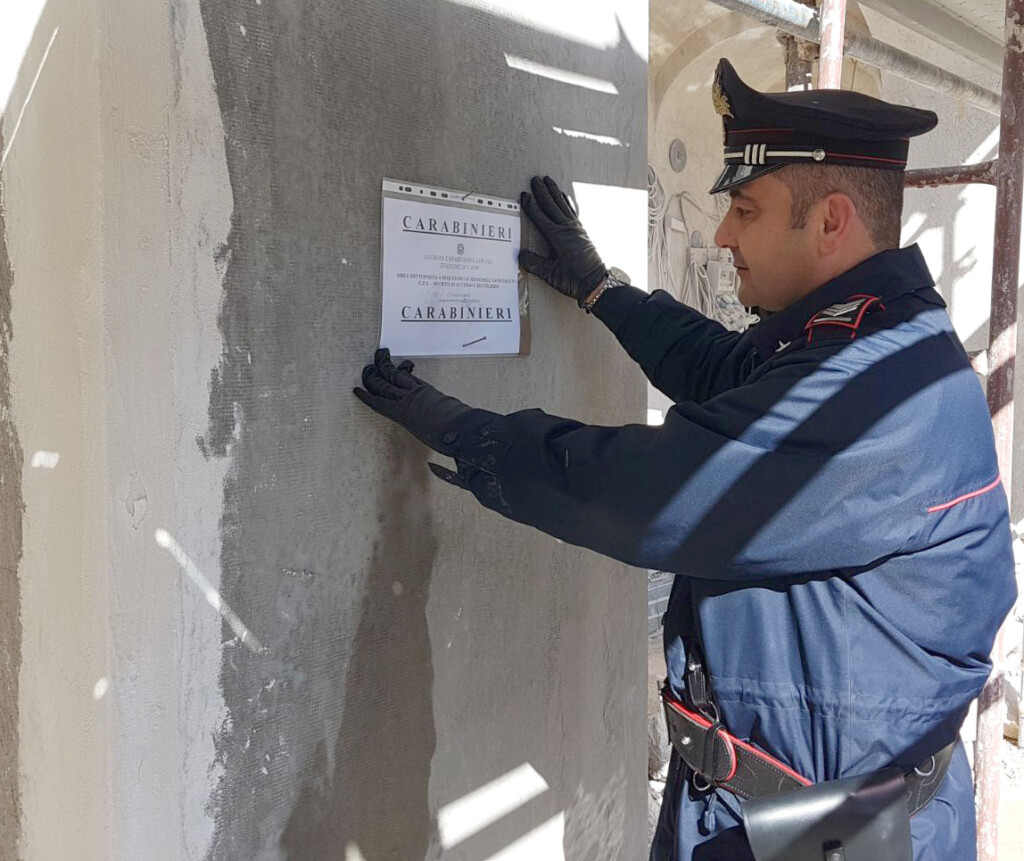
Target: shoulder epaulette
[846,315]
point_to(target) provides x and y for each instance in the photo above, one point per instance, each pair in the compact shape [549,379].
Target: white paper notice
[449,272]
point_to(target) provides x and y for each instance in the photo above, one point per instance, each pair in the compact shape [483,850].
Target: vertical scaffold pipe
[833,29]
[1002,349]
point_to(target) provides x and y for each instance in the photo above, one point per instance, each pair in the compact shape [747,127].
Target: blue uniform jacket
[829,497]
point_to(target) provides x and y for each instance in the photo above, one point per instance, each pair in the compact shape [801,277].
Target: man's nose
[723,236]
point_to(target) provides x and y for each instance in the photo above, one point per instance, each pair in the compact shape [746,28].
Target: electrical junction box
[722,276]
[717,263]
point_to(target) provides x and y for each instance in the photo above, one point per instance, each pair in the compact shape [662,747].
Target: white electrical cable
[696,289]
[657,249]
[712,218]
[700,289]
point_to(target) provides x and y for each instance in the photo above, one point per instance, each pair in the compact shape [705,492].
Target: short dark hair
[877,194]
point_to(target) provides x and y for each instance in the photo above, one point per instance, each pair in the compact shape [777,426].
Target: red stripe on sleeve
[966,496]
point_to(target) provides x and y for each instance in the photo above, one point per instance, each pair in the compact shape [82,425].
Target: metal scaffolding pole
[1006,260]
[833,28]
[804,23]
[798,67]
[944,28]
[799,61]
[934,177]
[1002,352]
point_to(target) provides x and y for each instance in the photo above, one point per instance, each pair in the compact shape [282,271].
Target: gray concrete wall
[10,555]
[191,213]
[52,169]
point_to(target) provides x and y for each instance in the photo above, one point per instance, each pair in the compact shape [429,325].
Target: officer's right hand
[574,267]
[396,394]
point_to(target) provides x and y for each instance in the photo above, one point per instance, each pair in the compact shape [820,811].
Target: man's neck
[850,259]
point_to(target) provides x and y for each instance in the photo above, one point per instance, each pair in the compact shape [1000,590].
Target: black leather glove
[574,268]
[417,406]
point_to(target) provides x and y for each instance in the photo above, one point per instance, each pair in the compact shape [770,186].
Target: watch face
[619,275]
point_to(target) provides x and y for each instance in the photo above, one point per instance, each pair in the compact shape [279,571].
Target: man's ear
[839,222]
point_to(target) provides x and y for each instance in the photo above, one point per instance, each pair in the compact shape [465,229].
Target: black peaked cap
[765,131]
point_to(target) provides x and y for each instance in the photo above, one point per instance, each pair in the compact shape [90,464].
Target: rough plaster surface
[51,181]
[417,647]
[117,199]
[166,207]
[11,510]
[201,204]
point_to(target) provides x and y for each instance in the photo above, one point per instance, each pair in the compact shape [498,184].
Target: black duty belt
[719,759]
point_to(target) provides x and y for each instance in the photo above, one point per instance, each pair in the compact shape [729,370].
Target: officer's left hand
[417,406]
[574,267]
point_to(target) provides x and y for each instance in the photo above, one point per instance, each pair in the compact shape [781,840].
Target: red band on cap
[865,157]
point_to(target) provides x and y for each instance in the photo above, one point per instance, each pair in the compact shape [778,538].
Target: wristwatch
[615,278]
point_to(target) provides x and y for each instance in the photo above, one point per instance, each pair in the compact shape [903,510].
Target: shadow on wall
[329,544]
[369,790]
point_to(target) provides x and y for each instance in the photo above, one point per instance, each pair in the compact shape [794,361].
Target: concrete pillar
[189,258]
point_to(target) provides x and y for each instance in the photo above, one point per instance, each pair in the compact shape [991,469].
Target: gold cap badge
[721,101]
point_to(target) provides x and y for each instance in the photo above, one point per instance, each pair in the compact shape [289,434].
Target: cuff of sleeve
[615,305]
[480,444]
[478,439]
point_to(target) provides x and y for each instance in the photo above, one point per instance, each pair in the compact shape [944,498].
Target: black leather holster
[786,817]
[862,818]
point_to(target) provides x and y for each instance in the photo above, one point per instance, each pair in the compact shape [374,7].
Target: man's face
[775,262]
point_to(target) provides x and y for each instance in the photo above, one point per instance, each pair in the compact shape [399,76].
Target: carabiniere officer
[825,490]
